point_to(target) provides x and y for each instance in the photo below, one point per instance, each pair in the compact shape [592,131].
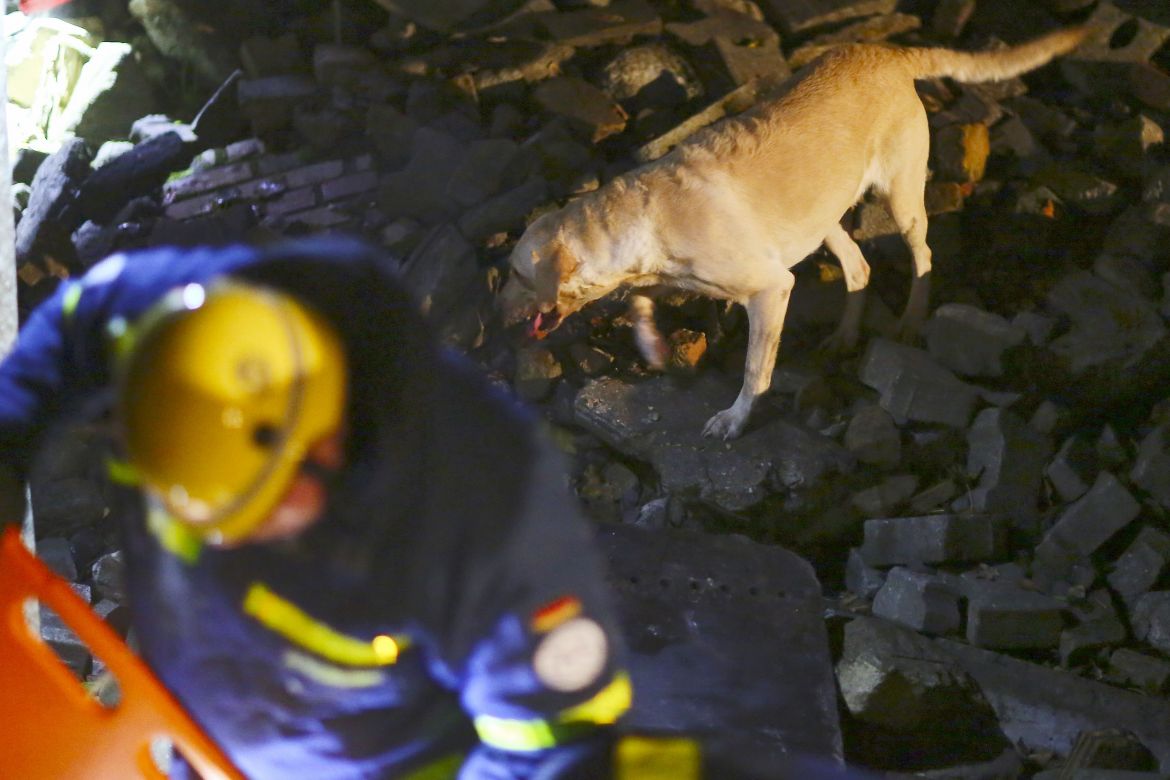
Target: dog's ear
[556,267]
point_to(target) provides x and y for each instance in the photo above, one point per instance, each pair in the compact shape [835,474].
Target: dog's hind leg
[905,198]
[765,310]
[842,245]
[646,334]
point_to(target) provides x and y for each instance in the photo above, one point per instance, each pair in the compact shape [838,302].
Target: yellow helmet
[222,391]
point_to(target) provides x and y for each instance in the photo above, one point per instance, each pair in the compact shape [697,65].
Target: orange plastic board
[52,727]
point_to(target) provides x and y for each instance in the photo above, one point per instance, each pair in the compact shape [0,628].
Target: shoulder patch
[572,655]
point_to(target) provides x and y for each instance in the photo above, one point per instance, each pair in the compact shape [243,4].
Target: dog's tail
[1007,63]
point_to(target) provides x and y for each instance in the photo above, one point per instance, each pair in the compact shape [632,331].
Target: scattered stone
[970,341]
[950,17]
[618,22]
[934,497]
[1042,708]
[652,421]
[1084,191]
[219,122]
[176,33]
[583,104]
[933,539]
[269,102]
[914,387]
[50,217]
[651,74]
[57,555]
[873,438]
[924,602]
[1109,749]
[111,92]
[861,578]
[1151,619]
[504,211]
[886,497]
[704,614]
[1110,326]
[1087,524]
[871,30]
[1142,565]
[897,681]
[109,578]
[1073,469]
[537,370]
[140,171]
[1098,627]
[65,643]
[1151,471]
[591,360]
[440,270]
[1126,147]
[800,17]
[1004,617]
[1144,672]
[687,348]
[1008,458]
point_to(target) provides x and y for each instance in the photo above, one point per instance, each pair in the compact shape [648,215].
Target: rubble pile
[987,510]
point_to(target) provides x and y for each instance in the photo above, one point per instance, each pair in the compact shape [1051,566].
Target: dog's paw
[908,331]
[725,425]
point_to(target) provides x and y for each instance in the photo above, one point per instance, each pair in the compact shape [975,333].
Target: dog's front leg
[646,334]
[765,310]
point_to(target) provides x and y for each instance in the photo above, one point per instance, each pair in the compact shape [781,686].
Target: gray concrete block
[861,578]
[1003,617]
[1073,469]
[109,577]
[795,17]
[1140,670]
[1041,708]
[1143,563]
[933,539]
[918,600]
[651,421]
[886,497]
[1008,458]
[874,438]
[1150,618]
[897,682]
[1087,524]
[1151,470]
[914,387]
[970,341]
[56,554]
[1079,643]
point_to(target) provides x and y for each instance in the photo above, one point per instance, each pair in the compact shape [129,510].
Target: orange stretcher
[53,728]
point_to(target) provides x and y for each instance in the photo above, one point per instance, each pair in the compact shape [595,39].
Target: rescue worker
[354,558]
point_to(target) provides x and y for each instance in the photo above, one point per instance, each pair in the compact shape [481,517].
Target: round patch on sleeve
[572,655]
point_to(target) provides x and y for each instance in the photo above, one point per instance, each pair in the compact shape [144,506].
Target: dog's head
[540,264]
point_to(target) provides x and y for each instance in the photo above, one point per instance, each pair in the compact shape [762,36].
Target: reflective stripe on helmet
[294,624]
[604,708]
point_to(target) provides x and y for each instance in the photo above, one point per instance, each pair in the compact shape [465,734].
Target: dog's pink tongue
[534,326]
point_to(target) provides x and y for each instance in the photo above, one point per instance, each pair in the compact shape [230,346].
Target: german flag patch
[555,613]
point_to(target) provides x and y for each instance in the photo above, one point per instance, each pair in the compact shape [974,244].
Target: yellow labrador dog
[732,209]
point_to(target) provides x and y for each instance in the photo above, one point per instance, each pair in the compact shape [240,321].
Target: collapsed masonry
[987,512]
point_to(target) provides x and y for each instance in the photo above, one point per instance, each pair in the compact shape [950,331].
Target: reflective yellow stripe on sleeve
[604,708]
[291,622]
[70,299]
